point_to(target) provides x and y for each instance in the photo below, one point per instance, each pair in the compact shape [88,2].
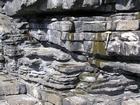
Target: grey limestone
[22,99]
[69,52]
[15,7]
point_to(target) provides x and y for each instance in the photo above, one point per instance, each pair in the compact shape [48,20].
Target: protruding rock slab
[121,67]
[71,67]
[22,100]
[25,6]
[47,53]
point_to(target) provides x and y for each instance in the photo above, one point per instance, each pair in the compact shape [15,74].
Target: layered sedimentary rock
[24,6]
[76,52]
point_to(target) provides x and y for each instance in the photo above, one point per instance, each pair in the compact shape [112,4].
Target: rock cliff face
[14,7]
[70,52]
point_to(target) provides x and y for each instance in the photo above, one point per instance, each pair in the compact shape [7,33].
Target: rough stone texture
[26,7]
[69,52]
[128,67]
[10,87]
[22,100]
[102,100]
[58,56]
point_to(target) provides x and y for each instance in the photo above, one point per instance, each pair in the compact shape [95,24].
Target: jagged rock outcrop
[76,52]
[15,7]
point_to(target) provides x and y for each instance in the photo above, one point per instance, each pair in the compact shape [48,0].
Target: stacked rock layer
[74,52]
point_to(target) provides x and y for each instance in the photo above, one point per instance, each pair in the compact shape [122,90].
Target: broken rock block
[71,67]
[22,100]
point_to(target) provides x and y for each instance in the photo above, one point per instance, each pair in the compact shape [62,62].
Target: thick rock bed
[69,52]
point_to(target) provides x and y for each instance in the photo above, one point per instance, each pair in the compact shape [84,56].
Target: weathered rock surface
[22,99]
[55,55]
[76,52]
[26,7]
[10,87]
[102,100]
[47,53]
[124,67]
